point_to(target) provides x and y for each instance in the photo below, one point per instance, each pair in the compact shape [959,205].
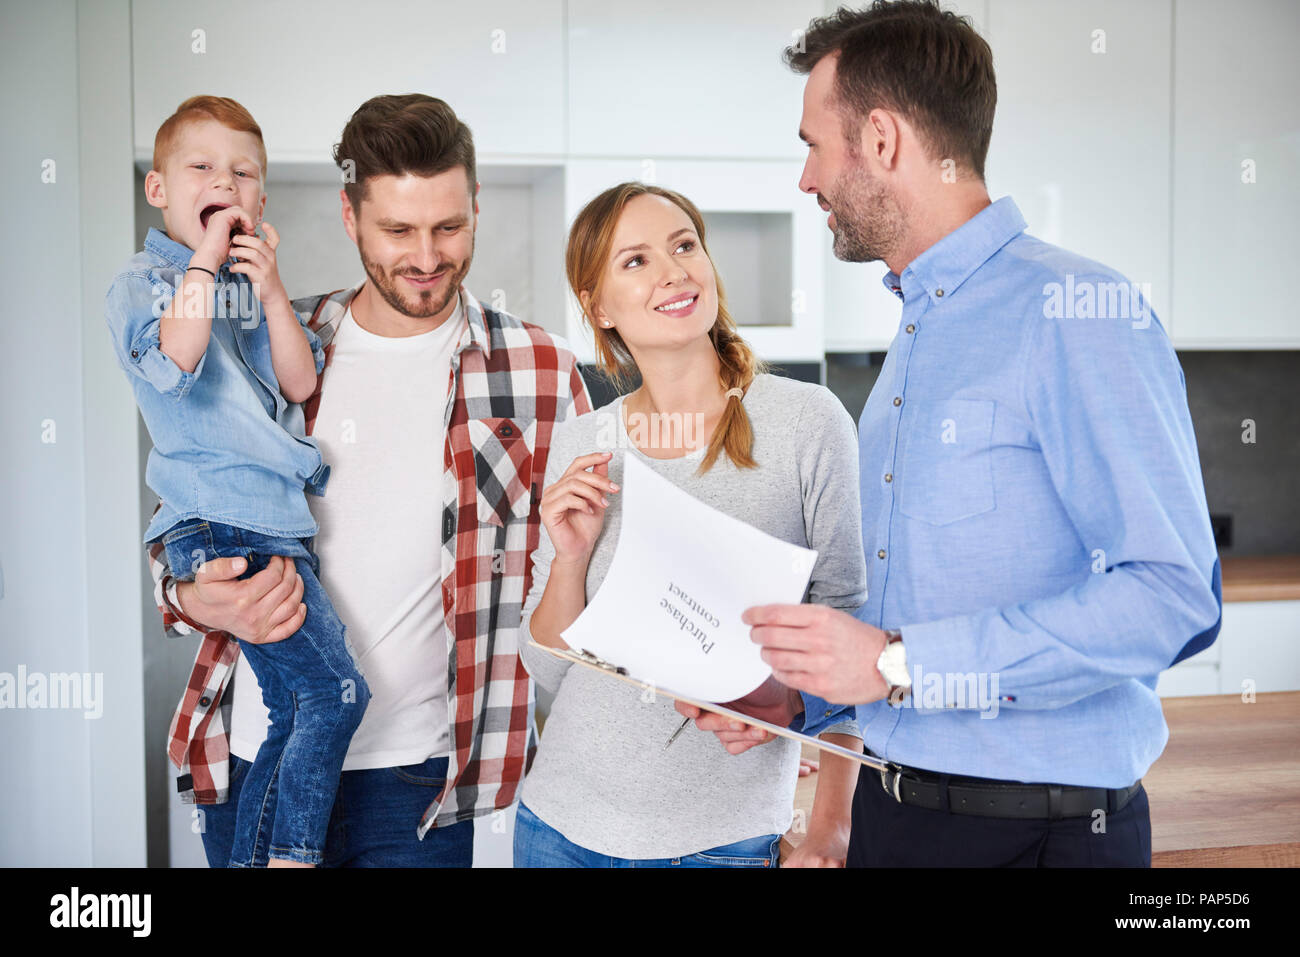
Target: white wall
[74,788]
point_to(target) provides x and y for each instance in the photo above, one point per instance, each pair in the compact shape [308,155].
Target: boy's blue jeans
[312,688]
[537,844]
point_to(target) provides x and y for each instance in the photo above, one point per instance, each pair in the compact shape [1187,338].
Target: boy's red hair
[227,112]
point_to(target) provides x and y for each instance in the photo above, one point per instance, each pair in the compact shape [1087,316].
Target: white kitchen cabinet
[765,243]
[1258,649]
[1198,674]
[1172,156]
[1262,650]
[1081,135]
[861,314]
[302,69]
[681,78]
[1080,141]
[1236,119]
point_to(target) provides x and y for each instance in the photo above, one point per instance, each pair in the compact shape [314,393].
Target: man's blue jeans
[373,823]
[537,844]
[312,688]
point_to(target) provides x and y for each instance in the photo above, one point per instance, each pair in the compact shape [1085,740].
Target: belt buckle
[889,780]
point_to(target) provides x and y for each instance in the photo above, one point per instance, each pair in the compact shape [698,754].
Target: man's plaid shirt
[511,381]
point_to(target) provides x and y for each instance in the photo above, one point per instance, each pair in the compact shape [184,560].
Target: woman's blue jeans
[537,844]
[311,686]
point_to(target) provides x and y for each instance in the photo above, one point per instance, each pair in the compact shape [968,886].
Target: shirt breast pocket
[947,473]
[503,465]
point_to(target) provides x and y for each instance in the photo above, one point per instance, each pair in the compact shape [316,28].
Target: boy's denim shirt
[227,446]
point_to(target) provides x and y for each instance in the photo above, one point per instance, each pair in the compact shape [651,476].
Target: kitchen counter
[1225,792]
[1261,578]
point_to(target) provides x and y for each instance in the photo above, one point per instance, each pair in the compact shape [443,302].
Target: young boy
[219,362]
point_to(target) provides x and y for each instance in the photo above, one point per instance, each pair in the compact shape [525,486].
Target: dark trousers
[888,834]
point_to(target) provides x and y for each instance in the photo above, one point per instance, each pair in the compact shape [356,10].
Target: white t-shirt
[380,427]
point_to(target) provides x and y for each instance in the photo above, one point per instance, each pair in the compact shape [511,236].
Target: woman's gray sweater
[602,777]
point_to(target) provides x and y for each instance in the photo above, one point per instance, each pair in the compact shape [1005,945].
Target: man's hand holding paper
[812,648]
[820,650]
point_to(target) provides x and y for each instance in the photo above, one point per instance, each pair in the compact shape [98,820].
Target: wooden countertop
[1225,792]
[1261,578]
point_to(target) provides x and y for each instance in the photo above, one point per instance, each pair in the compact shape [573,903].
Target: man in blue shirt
[1035,521]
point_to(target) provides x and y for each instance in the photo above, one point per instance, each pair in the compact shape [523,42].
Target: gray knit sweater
[602,777]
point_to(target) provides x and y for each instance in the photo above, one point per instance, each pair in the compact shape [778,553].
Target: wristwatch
[892,665]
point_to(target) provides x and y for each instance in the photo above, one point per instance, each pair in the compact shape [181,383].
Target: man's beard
[415,304]
[868,219]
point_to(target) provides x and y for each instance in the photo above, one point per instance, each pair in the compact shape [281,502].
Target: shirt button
[205,701]
[828,712]
[938,293]
[889,476]
[898,400]
[911,328]
[880,554]
[134,354]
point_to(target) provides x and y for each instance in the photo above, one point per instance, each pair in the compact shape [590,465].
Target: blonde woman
[604,790]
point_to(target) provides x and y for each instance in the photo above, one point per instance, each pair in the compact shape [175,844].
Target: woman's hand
[573,509]
[830,821]
[771,701]
[823,847]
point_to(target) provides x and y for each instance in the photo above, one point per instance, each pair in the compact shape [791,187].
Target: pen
[680,728]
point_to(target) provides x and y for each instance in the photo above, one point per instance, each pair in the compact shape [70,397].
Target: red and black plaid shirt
[511,382]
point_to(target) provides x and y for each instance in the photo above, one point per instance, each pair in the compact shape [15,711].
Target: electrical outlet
[1221,525]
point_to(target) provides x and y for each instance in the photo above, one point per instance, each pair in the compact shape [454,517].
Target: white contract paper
[682,574]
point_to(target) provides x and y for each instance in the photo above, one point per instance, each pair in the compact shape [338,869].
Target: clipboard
[588,660]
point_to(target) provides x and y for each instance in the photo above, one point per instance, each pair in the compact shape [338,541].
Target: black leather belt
[984,797]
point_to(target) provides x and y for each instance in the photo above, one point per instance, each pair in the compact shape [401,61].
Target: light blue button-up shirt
[227,446]
[1033,514]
